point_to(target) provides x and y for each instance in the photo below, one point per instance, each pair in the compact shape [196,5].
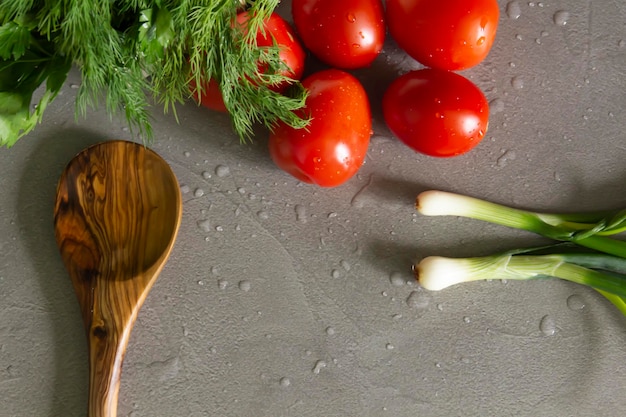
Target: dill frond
[130,51]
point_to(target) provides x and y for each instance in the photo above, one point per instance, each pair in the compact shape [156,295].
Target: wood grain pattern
[116,218]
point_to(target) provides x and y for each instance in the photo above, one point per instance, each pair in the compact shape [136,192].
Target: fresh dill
[132,53]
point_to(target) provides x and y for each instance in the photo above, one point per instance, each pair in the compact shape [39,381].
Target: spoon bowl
[117,213]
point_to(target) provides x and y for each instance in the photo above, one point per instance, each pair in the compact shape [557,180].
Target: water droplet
[480,41]
[300,213]
[184,189]
[185,332]
[263,215]
[517,82]
[285,382]
[504,159]
[513,10]
[74,86]
[351,18]
[397,279]
[222,284]
[187,154]
[204,225]
[332,215]
[547,325]
[356,45]
[496,105]
[319,365]
[222,171]
[199,192]
[358,199]
[200,282]
[389,346]
[345,264]
[241,190]
[219,228]
[418,300]
[335,273]
[561,17]
[466,319]
[206,175]
[575,302]
[330,331]
[166,369]
[245,285]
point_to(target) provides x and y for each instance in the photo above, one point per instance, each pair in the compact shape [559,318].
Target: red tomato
[275,29]
[342,33]
[435,112]
[332,148]
[450,35]
[291,52]
[211,95]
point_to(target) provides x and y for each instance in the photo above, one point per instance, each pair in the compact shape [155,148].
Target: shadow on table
[42,170]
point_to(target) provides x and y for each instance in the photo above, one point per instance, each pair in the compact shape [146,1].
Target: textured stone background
[281,299]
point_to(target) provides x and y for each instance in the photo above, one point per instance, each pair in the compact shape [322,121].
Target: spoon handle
[107,340]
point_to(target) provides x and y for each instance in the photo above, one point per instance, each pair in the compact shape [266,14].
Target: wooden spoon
[116,217]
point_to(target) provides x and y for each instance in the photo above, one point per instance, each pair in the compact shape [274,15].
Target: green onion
[585,229]
[436,273]
[603,268]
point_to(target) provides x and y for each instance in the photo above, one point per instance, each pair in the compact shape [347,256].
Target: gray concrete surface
[282,299]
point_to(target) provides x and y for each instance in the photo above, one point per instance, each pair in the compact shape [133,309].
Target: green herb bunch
[132,53]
